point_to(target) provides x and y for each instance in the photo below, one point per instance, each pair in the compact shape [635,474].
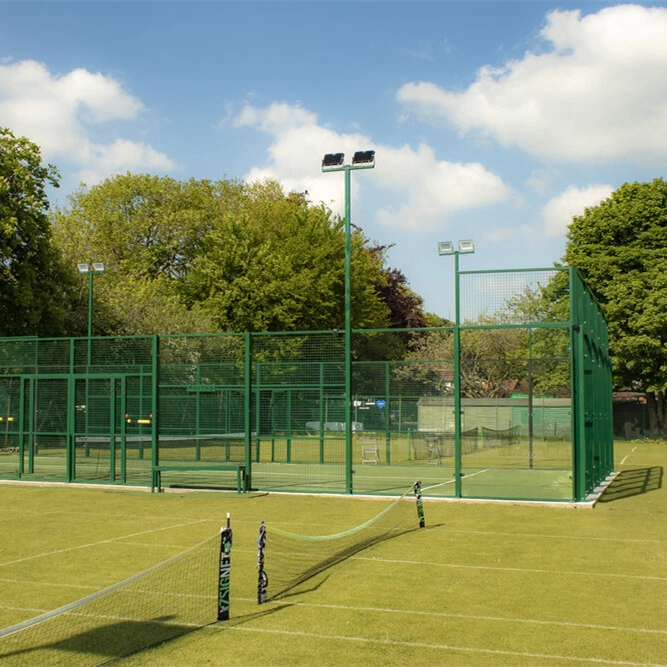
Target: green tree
[34,286]
[278,265]
[202,256]
[147,230]
[620,248]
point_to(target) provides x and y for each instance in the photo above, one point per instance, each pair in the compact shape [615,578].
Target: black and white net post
[224,579]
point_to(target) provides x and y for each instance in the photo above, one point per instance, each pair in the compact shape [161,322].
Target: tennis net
[492,438]
[164,602]
[285,560]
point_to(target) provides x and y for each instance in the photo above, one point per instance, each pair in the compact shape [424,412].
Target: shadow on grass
[633,483]
[91,646]
[106,644]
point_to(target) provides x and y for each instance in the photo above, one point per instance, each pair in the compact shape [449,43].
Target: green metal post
[90,319]
[387,412]
[155,401]
[348,338]
[457,381]
[247,407]
[348,326]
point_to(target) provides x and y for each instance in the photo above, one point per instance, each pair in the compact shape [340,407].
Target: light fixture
[333,160]
[466,246]
[83,268]
[98,267]
[445,248]
[364,157]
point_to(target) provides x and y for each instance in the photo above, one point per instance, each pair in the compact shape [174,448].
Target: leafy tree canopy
[222,256]
[620,248]
[33,282]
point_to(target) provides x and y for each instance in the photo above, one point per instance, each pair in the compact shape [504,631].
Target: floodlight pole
[97,267]
[465,247]
[348,168]
[457,380]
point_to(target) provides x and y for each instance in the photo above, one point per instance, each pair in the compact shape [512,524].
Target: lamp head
[333,161]
[366,158]
[445,248]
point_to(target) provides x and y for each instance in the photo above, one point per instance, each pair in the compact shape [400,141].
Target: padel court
[514,403]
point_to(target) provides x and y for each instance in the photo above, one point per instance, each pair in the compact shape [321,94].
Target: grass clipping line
[286,560]
[161,603]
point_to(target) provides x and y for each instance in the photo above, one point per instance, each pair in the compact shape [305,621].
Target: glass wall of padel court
[530,417]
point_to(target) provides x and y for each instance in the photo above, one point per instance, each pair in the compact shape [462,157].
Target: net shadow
[633,483]
[98,645]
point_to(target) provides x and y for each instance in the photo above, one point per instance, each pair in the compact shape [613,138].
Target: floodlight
[333,160]
[83,268]
[98,267]
[364,157]
[445,248]
[466,246]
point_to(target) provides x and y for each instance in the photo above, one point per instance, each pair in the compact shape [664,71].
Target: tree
[148,230]
[620,248]
[278,265]
[34,287]
[219,256]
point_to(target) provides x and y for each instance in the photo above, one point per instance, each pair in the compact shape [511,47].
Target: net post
[262,579]
[420,505]
[224,572]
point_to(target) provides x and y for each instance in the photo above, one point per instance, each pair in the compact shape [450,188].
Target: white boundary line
[94,544]
[556,537]
[627,456]
[451,481]
[526,570]
[446,647]
[473,617]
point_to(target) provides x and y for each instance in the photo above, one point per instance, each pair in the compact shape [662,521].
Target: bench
[238,468]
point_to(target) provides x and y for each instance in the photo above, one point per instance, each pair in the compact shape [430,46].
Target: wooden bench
[238,468]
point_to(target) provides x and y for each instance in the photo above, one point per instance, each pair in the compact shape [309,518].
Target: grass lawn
[485,584]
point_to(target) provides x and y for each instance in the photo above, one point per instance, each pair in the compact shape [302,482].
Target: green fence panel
[513,401]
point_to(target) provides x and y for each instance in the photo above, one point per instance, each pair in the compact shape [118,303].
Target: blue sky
[491,121]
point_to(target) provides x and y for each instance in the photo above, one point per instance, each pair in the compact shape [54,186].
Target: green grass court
[302,464]
[485,584]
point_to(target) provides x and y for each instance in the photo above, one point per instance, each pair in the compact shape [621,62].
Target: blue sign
[380,403]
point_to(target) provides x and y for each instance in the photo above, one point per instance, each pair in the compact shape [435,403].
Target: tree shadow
[633,483]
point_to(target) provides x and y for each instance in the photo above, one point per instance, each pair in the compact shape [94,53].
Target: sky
[491,121]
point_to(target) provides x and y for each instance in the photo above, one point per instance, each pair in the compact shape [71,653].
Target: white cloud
[426,190]
[539,180]
[596,92]
[557,212]
[59,112]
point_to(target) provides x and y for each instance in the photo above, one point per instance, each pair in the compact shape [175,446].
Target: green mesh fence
[512,401]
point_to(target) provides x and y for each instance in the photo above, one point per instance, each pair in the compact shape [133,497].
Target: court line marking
[559,537]
[94,544]
[446,647]
[640,577]
[474,617]
[627,456]
[451,481]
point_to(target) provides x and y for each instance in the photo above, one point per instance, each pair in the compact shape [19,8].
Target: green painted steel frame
[46,359]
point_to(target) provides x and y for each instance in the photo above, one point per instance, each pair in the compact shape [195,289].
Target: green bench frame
[239,468]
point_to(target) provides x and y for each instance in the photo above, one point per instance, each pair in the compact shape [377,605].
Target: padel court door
[79,428]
